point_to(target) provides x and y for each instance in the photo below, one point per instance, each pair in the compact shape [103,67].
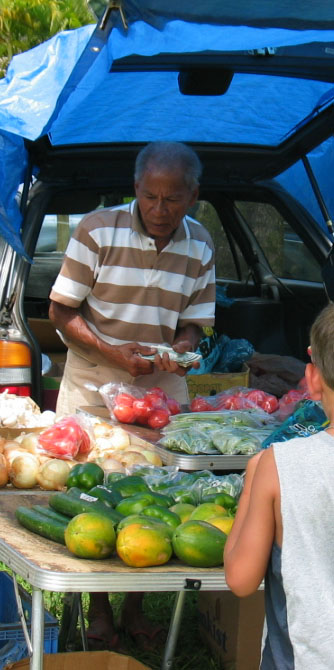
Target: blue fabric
[65,88]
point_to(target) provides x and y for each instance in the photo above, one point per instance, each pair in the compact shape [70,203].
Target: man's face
[163,199]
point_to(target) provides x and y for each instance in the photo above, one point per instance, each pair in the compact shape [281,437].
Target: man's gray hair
[170,156]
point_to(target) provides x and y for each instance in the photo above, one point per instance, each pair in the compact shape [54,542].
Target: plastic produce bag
[66,438]
[132,404]
[307,419]
[236,398]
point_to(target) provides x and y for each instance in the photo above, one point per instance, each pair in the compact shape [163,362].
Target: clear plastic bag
[66,438]
[237,398]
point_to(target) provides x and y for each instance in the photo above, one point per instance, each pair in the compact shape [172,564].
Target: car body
[273,248]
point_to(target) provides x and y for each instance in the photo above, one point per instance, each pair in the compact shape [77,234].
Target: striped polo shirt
[125,290]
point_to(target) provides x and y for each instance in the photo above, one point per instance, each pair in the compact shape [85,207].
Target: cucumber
[51,513]
[41,525]
[71,505]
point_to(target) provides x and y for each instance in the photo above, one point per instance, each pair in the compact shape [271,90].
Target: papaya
[205,511]
[183,510]
[90,535]
[146,521]
[199,544]
[140,546]
[224,523]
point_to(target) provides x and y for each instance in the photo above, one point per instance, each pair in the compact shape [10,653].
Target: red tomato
[142,411]
[124,413]
[200,405]
[158,419]
[124,399]
[270,404]
[85,443]
[256,396]
[159,391]
[155,401]
[173,406]
[63,439]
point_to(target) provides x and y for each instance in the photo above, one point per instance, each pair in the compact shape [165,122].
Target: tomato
[173,406]
[85,443]
[156,390]
[142,410]
[158,418]
[64,438]
[200,405]
[124,413]
[155,401]
[256,396]
[124,399]
[270,404]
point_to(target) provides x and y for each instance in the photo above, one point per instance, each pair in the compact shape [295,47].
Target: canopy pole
[318,195]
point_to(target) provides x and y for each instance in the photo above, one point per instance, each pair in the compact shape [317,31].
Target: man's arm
[249,543]
[69,321]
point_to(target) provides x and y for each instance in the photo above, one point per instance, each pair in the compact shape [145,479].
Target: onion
[110,464]
[11,451]
[53,474]
[23,471]
[133,458]
[29,442]
[2,443]
[3,472]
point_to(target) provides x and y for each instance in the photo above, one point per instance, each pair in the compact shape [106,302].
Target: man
[133,277]
[283,529]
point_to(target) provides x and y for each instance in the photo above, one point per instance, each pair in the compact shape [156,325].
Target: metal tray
[202,461]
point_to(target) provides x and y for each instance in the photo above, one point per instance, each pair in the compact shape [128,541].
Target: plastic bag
[66,438]
[289,401]
[132,404]
[233,353]
[307,419]
[236,398]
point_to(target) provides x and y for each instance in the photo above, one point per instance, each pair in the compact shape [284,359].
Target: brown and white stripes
[125,290]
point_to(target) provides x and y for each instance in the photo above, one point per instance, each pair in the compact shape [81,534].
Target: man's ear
[194,196]
[314,381]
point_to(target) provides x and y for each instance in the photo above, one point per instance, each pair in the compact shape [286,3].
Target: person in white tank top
[283,529]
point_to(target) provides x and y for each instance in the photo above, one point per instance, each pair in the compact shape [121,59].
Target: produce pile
[43,457]
[145,518]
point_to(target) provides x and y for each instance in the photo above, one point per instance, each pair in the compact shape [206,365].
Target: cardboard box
[232,628]
[215,382]
[84,660]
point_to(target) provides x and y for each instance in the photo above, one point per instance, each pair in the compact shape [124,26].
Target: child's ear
[314,381]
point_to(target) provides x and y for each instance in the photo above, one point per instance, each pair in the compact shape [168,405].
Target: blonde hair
[322,344]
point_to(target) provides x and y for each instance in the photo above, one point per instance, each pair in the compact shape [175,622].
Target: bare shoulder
[266,472]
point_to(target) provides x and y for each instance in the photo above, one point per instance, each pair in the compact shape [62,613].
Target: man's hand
[127,357]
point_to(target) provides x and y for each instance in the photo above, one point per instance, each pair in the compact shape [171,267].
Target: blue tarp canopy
[117,81]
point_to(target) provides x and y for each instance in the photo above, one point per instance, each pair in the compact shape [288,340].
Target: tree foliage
[26,23]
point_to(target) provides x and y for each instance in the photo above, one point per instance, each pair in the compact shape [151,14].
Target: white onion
[110,464]
[29,442]
[3,472]
[13,451]
[23,471]
[53,474]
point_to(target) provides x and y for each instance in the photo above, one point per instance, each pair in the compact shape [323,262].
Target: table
[47,565]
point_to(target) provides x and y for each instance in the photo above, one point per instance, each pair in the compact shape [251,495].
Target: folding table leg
[37,629]
[174,629]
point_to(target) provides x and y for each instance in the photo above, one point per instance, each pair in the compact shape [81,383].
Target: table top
[50,566]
